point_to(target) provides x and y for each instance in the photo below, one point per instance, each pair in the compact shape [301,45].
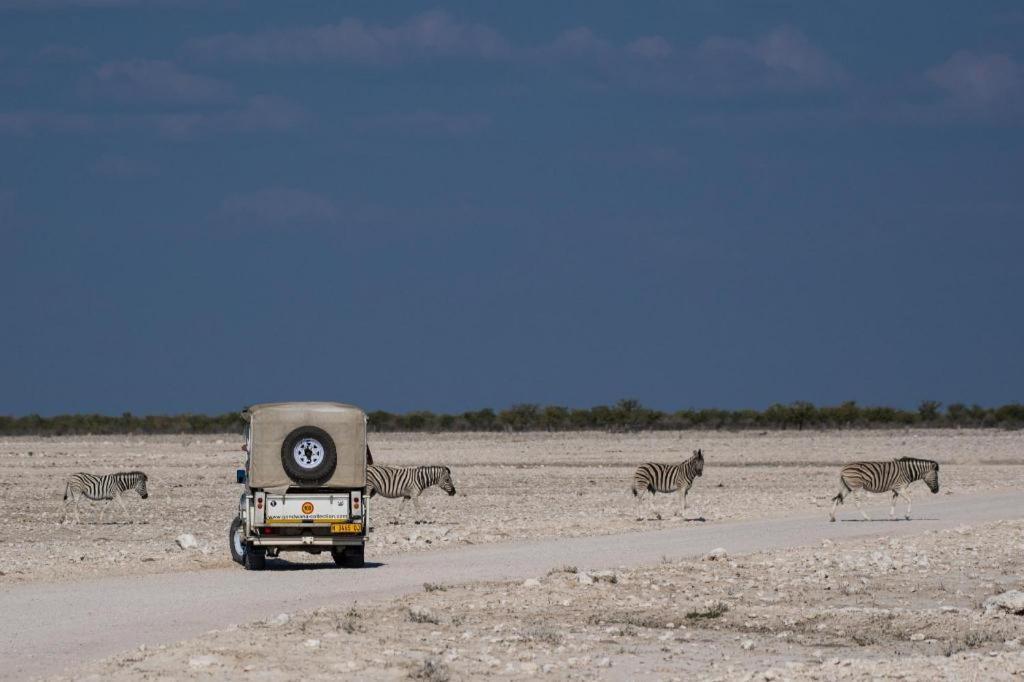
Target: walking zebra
[106,487]
[667,478]
[407,482]
[881,477]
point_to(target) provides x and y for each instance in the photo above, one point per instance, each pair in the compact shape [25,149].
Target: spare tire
[309,456]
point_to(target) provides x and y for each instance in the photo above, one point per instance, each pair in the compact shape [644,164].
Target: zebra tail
[67,486]
[839,497]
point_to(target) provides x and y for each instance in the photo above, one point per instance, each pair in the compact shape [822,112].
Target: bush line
[624,416]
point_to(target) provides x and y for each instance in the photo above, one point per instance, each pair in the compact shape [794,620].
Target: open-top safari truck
[305,479]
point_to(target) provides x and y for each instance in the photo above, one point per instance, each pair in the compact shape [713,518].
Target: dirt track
[101,617]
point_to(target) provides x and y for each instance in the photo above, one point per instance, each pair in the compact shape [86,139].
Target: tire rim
[237,539]
[308,453]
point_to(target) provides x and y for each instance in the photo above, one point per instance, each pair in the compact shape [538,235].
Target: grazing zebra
[407,482]
[881,477]
[106,487]
[667,478]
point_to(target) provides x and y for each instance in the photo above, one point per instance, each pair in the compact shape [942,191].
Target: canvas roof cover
[270,424]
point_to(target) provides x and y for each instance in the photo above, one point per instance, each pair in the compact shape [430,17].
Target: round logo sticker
[307,507]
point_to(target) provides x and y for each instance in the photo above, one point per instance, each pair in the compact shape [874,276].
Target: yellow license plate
[346,527]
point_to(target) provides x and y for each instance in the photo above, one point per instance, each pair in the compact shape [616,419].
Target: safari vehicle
[305,479]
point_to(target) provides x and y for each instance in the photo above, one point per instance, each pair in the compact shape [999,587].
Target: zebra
[106,487]
[667,478]
[407,482]
[881,477]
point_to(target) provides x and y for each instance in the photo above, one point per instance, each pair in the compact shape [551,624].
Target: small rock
[583,578]
[186,541]
[1011,602]
[916,637]
[531,582]
[715,554]
[528,667]
[747,644]
[279,619]
[605,576]
[312,643]
[604,662]
[202,661]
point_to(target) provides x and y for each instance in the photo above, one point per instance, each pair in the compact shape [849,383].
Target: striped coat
[653,477]
[881,477]
[407,482]
[102,487]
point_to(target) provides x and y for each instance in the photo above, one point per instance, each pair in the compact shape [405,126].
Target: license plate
[346,527]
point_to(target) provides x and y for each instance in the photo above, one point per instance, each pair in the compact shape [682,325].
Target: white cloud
[650,47]
[577,43]
[28,122]
[259,114]
[781,59]
[434,34]
[157,80]
[279,206]
[61,54]
[980,81]
[426,123]
[43,5]
[123,167]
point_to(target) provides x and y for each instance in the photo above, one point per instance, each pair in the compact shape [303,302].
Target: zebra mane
[918,460]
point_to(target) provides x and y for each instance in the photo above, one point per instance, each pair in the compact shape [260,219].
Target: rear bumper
[307,542]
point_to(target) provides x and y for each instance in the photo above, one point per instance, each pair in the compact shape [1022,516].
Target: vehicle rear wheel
[348,557]
[309,456]
[255,558]
[236,541]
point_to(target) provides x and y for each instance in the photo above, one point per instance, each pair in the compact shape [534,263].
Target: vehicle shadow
[916,518]
[285,565]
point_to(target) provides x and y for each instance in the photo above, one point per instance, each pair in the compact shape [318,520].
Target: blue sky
[452,206]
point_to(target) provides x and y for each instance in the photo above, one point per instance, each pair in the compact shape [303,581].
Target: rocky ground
[510,486]
[914,607]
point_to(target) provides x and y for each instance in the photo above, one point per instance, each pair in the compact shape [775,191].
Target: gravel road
[50,627]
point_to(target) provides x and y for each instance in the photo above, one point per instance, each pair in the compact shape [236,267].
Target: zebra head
[931,476]
[698,462]
[140,485]
[446,483]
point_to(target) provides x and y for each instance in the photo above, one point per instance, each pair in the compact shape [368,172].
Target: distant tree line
[623,416]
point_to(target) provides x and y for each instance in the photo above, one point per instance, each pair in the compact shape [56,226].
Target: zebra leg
[907,517]
[856,500]
[892,506]
[836,501]
[417,509]
[78,518]
[64,505]
[127,516]
[844,490]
